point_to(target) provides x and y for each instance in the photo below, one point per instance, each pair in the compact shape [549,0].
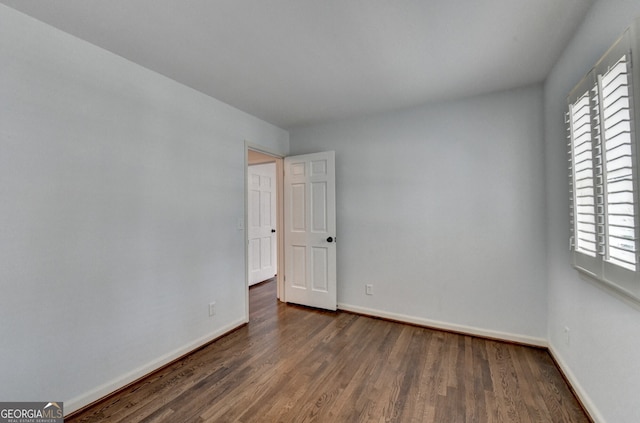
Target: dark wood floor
[293,364]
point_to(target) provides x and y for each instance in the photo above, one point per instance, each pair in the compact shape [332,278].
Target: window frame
[611,275]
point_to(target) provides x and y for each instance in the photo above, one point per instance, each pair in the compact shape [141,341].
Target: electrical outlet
[566,335]
[212,309]
[368,289]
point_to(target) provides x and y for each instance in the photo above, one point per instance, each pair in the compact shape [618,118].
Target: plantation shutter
[583,213]
[601,126]
[615,134]
[585,228]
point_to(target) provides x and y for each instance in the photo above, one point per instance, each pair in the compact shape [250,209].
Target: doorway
[307,198]
[256,156]
[261,222]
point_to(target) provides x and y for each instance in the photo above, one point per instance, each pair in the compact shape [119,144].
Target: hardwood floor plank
[295,364]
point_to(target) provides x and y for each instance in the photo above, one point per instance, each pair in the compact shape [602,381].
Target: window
[603,175]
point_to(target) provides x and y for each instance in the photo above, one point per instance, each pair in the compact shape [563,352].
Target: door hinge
[571,245]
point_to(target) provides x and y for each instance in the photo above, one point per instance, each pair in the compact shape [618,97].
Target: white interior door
[310,230]
[262,222]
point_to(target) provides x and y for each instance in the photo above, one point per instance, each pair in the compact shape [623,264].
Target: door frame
[279,160]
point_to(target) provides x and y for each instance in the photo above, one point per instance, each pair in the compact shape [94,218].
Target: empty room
[342,210]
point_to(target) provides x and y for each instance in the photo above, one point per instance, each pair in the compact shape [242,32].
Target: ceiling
[298,62]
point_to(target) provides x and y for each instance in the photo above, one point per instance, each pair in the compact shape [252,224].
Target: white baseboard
[577,388]
[468,330]
[113,385]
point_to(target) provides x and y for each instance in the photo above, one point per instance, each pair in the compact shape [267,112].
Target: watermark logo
[31,412]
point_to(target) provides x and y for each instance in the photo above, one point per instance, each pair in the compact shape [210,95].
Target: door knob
[330,239]
[273,231]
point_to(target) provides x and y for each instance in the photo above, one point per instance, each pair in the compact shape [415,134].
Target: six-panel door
[310,230]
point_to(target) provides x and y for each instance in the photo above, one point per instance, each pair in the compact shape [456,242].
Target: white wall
[120,191]
[441,208]
[603,352]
